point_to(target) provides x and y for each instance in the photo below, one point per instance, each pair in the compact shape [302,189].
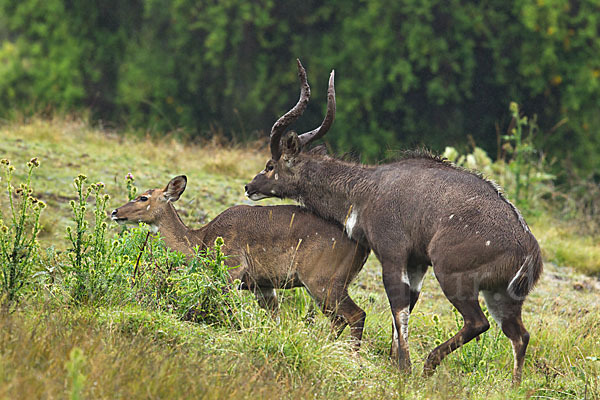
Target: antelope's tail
[527,276]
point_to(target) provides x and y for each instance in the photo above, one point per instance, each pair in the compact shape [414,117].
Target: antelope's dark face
[282,172]
[279,177]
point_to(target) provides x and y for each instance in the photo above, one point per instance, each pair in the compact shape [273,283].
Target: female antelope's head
[150,205]
[282,171]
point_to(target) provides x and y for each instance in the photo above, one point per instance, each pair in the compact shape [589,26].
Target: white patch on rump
[351,222]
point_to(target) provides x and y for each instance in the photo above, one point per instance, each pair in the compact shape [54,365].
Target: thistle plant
[19,230]
[88,255]
[131,189]
[520,144]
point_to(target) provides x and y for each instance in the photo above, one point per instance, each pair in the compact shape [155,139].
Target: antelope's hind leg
[462,292]
[341,310]
[507,313]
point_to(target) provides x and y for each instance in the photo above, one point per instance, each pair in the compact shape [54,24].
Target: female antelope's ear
[175,188]
[291,145]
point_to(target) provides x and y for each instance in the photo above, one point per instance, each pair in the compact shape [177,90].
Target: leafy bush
[89,275]
[194,288]
[18,236]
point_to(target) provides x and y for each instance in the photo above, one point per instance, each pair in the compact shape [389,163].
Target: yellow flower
[556,80]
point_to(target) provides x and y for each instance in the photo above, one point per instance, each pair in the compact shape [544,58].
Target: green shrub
[18,236]
[194,288]
[89,275]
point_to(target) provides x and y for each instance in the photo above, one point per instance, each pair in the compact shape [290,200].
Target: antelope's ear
[291,145]
[175,188]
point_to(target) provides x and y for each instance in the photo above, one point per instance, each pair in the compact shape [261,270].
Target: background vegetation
[408,72]
[81,326]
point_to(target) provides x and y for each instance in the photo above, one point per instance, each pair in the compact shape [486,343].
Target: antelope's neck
[176,234]
[334,189]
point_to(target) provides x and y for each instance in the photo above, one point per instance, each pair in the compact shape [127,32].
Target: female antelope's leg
[462,292]
[267,299]
[395,281]
[507,313]
[354,316]
[341,310]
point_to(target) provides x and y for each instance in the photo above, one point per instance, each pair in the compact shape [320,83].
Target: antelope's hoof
[429,368]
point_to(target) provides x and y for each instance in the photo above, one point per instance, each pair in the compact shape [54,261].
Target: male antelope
[276,247]
[413,213]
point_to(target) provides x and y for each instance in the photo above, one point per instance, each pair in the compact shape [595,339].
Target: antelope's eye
[143,198]
[269,167]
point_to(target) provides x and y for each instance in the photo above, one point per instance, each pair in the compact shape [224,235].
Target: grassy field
[49,350]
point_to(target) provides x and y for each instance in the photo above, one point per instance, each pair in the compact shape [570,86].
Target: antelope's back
[286,243]
[462,218]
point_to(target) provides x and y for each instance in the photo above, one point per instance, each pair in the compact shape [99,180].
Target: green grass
[48,350]
[564,244]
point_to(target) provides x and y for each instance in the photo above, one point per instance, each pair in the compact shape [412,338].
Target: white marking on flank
[351,222]
[276,176]
[451,216]
[487,243]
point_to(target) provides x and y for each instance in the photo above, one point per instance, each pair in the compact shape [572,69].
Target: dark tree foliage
[407,73]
